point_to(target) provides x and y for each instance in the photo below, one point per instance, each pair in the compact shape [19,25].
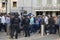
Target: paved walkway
[3,36]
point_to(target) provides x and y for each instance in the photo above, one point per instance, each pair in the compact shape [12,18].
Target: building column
[42,30]
[44,13]
[8,6]
[44,2]
[54,2]
[54,14]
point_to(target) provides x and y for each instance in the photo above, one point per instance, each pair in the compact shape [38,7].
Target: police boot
[16,36]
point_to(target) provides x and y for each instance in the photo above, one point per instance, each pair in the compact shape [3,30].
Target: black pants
[14,28]
[26,30]
[0,26]
[52,29]
[3,26]
[46,28]
[57,27]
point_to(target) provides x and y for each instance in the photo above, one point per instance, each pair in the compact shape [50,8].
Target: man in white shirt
[46,20]
[46,24]
[3,21]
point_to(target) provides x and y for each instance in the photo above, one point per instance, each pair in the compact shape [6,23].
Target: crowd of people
[13,24]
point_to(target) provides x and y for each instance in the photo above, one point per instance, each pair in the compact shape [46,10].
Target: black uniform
[25,23]
[52,25]
[15,27]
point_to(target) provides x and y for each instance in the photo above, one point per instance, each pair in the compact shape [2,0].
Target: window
[58,1]
[14,4]
[49,1]
[3,4]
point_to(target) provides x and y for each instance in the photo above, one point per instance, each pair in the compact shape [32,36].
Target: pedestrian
[0,23]
[11,25]
[8,24]
[15,26]
[46,23]
[26,22]
[40,22]
[56,23]
[36,24]
[59,23]
[52,25]
[32,24]
[3,21]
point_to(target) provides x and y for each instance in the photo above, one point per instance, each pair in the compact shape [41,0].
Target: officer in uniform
[15,26]
[26,22]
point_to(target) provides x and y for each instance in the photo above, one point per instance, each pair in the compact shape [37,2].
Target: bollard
[47,32]
[42,30]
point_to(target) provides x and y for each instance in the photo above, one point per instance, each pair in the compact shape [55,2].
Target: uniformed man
[25,23]
[15,26]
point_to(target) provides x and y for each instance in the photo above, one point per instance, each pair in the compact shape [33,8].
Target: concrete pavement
[36,36]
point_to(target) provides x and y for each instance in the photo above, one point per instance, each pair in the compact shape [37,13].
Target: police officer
[26,25]
[15,26]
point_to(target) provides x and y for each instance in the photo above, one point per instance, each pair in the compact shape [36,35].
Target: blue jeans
[32,28]
[52,29]
[36,26]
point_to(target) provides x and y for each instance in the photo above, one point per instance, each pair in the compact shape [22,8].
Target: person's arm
[19,19]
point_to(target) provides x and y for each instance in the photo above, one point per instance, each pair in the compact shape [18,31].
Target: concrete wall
[2,9]
[29,5]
